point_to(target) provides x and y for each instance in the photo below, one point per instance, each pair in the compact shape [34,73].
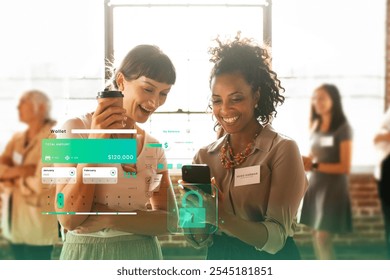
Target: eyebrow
[236,92]
[149,83]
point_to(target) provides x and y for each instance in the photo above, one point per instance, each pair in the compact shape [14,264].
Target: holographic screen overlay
[192,211]
[99,151]
[92,151]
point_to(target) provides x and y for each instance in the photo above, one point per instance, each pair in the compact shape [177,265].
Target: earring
[256,106]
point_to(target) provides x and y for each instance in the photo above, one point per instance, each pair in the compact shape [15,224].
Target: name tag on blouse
[17,158]
[247,176]
[154,182]
[326,141]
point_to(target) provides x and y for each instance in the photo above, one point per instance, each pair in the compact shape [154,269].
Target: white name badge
[326,141]
[17,158]
[154,183]
[247,176]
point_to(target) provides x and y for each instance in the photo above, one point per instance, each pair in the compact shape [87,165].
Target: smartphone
[198,175]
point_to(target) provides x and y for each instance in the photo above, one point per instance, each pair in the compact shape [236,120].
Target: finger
[110,115]
[129,168]
[104,104]
[112,118]
[219,190]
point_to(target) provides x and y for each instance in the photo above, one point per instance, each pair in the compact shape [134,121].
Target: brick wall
[367,239]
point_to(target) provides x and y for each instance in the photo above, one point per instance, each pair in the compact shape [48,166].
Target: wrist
[314,166]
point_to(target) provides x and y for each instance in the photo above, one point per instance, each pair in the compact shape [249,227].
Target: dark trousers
[29,252]
[229,248]
[384,195]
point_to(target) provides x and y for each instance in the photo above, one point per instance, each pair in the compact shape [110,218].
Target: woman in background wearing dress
[326,205]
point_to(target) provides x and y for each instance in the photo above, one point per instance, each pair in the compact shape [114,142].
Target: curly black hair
[253,62]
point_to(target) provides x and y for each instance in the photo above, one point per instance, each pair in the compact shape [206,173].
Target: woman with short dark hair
[145,78]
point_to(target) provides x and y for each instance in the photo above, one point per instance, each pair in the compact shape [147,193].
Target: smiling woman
[145,77]
[262,180]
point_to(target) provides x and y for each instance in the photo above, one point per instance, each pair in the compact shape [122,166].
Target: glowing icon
[67,157]
[166,146]
[192,217]
[60,200]
[47,157]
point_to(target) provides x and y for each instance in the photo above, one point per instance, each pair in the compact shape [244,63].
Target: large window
[55,46]
[58,46]
[184,32]
[331,41]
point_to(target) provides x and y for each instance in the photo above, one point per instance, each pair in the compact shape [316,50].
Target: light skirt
[125,247]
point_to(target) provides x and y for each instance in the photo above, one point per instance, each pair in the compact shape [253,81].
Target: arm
[14,172]
[152,222]
[149,222]
[8,171]
[81,195]
[383,136]
[288,185]
[341,167]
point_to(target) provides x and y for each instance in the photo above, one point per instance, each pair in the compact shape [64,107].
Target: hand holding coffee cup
[109,113]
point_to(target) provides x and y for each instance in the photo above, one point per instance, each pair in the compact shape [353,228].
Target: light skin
[322,104]
[35,119]
[382,136]
[142,97]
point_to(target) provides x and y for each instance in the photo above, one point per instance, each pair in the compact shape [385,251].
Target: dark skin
[233,104]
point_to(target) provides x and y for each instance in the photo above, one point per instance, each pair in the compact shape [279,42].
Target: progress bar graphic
[103,131]
[90,213]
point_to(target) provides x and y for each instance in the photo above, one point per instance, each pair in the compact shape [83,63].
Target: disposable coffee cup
[113,94]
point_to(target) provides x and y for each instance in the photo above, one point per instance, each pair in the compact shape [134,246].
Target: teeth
[230,120]
[146,109]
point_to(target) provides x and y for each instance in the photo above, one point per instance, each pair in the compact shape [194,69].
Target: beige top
[274,200]
[129,193]
[28,225]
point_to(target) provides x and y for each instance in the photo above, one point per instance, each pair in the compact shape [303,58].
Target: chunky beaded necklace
[229,159]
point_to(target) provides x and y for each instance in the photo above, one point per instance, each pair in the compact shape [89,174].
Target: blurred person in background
[382,173]
[326,205]
[31,234]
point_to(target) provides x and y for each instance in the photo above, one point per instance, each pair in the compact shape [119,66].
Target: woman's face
[322,102]
[233,102]
[142,97]
[26,110]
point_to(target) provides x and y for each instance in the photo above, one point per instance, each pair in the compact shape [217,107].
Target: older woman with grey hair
[31,234]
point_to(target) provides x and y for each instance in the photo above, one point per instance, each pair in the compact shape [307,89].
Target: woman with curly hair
[258,172]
